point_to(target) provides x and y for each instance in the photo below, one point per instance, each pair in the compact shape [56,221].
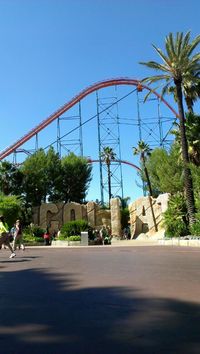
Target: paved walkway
[103,300]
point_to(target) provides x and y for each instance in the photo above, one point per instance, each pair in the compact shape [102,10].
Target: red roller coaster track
[75,100]
[120,161]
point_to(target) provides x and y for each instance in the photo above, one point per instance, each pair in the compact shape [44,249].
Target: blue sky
[53,49]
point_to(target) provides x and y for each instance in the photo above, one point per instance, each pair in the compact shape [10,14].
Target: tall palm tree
[144,150]
[107,156]
[192,124]
[179,66]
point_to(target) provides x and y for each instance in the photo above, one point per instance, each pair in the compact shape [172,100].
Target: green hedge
[175,221]
[33,235]
[70,238]
[73,228]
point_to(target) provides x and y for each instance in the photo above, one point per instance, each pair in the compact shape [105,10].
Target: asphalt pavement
[100,300]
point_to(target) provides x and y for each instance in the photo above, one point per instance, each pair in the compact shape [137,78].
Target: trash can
[84,238]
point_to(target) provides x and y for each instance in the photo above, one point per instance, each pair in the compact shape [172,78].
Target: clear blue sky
[53,49]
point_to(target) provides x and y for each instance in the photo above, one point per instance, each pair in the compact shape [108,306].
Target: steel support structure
[109,136]
[150,128]
[75,142]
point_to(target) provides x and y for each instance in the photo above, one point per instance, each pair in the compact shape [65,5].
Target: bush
[10,207]
[195,229]
[32,240]
[33,235]
[74,238]
[73,228]
[70,238]
[35,231]
[175,220]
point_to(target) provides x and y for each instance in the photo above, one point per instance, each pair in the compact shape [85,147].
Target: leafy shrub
[35,231]
[10,208]
[33,234]
[195,228]
[175,220]
[74,228]
[70,238]
[74,238]
[32,240]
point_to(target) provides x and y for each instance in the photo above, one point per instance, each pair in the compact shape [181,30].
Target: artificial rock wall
[55,215]
[141,220]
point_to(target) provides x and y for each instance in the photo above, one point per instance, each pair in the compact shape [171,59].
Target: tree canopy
[45,177]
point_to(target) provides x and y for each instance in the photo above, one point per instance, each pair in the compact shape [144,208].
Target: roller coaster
[107,120]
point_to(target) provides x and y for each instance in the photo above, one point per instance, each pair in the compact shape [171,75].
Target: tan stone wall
[141,219]
[55,215]
[116,217]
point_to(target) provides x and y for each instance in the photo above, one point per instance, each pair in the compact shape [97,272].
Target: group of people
[6,234]
[48,237]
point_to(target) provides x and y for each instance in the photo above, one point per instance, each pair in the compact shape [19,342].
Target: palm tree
[180,68]
[107,156]
[192,124]
[144,150]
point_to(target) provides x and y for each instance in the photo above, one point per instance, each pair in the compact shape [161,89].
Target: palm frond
[166,88]
[169,45]
[155,78]
[154,65]
[184,48]
[193,45]
[149,93]
[179,37]
[161,54]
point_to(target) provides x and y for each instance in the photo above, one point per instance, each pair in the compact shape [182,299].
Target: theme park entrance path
[103,300]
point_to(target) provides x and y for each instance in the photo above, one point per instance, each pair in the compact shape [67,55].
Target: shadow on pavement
[47,313]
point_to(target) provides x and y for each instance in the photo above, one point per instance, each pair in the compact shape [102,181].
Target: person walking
[18,236]
[4,236]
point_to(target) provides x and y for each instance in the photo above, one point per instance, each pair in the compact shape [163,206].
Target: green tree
[10,207]
[165,170]
[123,201]
[54,175]
[76,177]
[35,182]
[108,155]
[144,150]
[192,125]
[179,67]
[175,220]
[10,178]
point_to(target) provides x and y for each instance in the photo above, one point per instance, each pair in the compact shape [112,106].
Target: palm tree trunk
[184,145]
[148,180]
[150,194]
